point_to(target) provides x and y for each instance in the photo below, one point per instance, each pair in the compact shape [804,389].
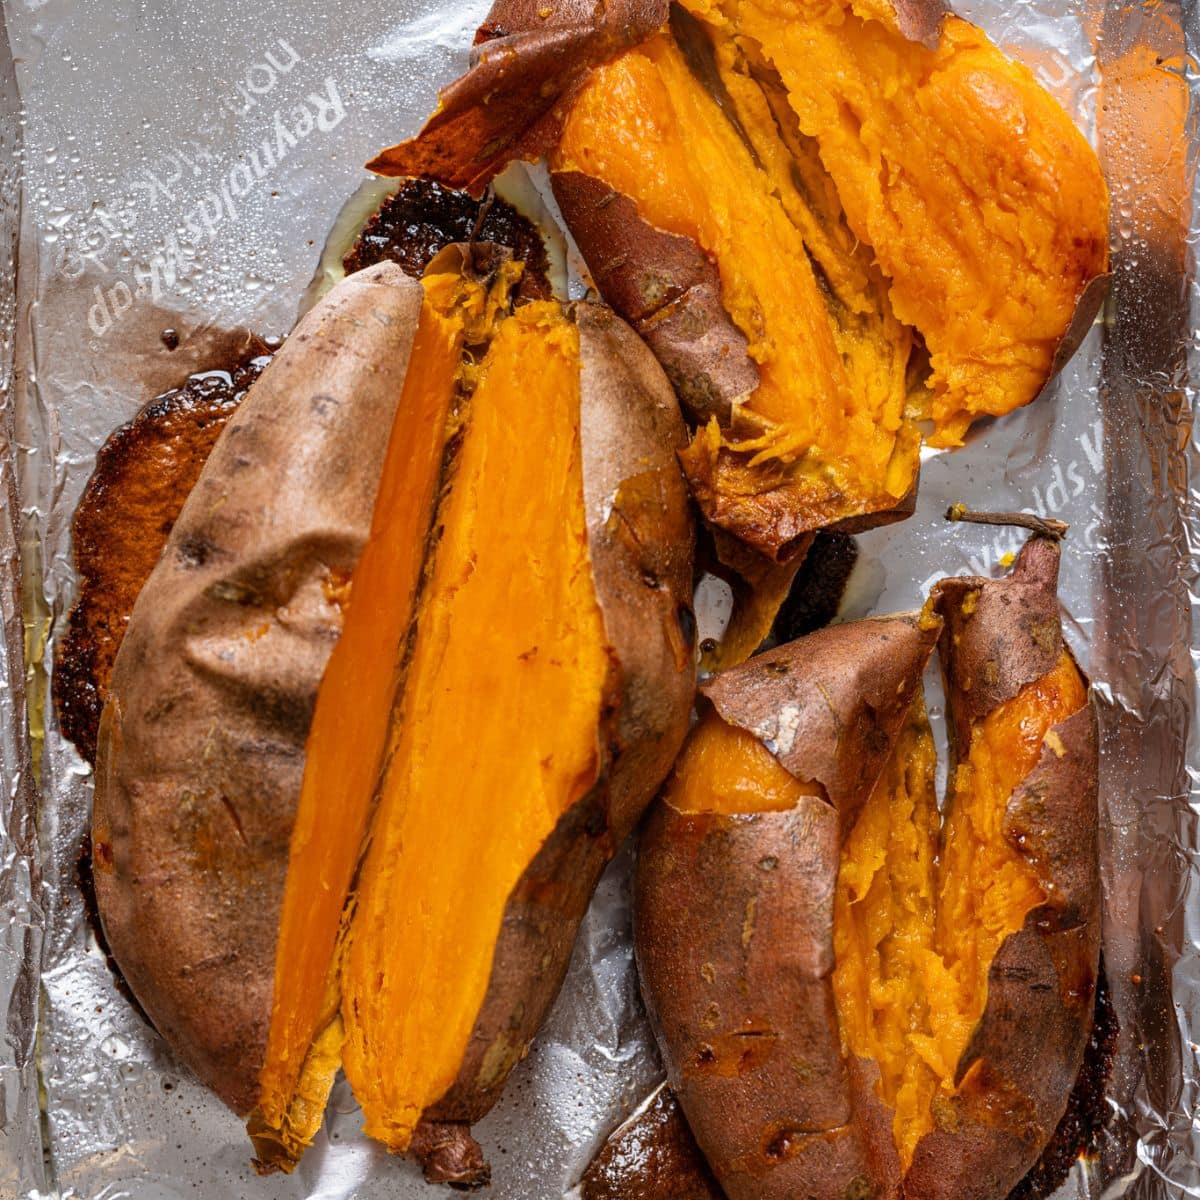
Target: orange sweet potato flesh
[498,737]
[984,205]
[916,930]
[352,717]
[726,770]
[827,430]
[428,745]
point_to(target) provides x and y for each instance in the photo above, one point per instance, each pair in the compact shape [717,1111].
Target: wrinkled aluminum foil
[181,166]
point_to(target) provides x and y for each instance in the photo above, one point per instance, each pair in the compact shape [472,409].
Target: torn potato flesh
[438,763]
[921,907]
[984,205]
[920,915]
[351,720]
[824,437]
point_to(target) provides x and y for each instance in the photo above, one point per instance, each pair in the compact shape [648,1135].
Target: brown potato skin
[201,744]
[530,61]
[1031,1039]
[734,923]
[143,475]
[665,286]
[641,541]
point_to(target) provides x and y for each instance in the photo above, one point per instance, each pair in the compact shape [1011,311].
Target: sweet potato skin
[143,475]
[202,740]
[530,61]
[667,289]
[734,922]
[641,542]
[1029,1044]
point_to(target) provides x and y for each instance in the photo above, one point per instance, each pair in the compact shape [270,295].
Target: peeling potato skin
[641,542]
[1087,309]
[920,20]
[1001,634]
[667,289]
[530,61]
[1028,1048]
[829,705]
[201,745]
[734,923]
[652,1156]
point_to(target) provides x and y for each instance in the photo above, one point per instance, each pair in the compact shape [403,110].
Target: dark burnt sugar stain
[143,475]
[1079,1132]
[653,1156]
[816,592]
[423,218]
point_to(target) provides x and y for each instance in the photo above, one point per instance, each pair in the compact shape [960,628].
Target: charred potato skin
[1031,1039]
[641,541]
[734,923]
[201,744]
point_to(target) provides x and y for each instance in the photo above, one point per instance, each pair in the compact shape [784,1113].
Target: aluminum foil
[182,165]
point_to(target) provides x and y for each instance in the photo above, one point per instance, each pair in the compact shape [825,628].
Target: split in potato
[829,222]
[860,989]
[466,723]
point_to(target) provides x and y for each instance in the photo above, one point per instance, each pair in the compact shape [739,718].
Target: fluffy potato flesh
[455,725]
[920,913]
[922,905]
[827,423]
[984,205]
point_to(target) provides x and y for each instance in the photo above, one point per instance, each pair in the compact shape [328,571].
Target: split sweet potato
[861,996]
[827,221]
[383,695]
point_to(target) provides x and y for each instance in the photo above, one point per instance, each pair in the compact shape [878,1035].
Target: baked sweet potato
[515,653]
[843,1009]
[826,223]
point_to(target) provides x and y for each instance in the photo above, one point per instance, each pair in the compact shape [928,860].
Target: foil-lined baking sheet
[180,165]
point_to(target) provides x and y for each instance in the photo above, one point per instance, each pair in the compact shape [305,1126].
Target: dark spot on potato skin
[686,619]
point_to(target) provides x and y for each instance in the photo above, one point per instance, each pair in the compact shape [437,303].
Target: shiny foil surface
[177,164]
